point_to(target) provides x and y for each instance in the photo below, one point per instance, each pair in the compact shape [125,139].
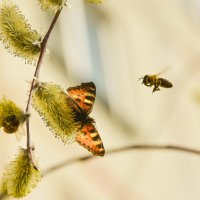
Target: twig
[122,149]
[118,150]
[2,196]
[36,76]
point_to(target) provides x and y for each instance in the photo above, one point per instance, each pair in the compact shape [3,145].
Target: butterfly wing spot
[94,135]
[89,138]
[88,102]
[90,98]
[98,142]
[84,96]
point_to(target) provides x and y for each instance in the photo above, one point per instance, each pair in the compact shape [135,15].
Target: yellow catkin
[55,108]
[94,1]
[48,5]
[20,177]
[17,35]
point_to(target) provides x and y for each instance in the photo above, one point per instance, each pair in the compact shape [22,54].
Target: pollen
[94,1]
[48,5]
[20,177]
[54,106]
[17,35]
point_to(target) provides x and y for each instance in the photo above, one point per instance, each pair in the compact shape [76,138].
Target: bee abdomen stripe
[165,83]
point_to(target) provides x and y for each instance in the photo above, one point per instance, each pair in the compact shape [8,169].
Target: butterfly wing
[84,96]
[89,138]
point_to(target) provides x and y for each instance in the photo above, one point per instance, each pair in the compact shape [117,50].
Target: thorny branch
[36,76]
[2,196]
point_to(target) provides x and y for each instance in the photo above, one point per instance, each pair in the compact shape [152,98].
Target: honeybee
[154,80]
[14,124]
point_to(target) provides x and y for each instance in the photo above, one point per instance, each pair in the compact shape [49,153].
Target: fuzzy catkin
[48,5]
[94,1]
[20,177]
[17,35]
[53,104]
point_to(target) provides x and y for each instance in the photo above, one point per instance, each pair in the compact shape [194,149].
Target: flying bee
[154,80]
[14,124]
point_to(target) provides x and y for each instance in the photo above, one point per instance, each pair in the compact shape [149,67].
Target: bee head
[12,120]
[10,124]
[145,79]
[10,129]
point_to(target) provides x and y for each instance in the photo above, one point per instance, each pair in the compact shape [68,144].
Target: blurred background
[113,44]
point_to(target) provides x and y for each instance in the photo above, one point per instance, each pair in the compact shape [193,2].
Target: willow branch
[36,75]
[124,149]
[142,147]
[2,196]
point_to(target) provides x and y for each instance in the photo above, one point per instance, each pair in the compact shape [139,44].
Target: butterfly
[83,97]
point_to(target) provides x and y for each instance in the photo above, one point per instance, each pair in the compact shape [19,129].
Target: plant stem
[122,149]
[2,196]
[118,150]
[36,76]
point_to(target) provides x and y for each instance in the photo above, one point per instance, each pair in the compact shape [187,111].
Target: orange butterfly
[83,97]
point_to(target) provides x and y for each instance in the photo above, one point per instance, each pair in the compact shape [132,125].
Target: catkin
[54,106]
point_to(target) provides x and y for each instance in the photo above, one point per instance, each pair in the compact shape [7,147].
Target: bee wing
[20,133]
[163,71]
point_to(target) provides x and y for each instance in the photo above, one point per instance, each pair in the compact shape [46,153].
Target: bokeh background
[113,44]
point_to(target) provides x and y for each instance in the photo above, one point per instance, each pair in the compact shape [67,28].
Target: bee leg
[156,86]
[155,89]
[148,84]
